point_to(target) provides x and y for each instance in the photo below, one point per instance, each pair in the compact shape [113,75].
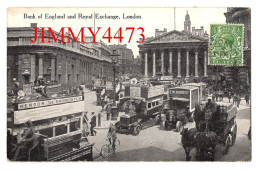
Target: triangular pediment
[175,36]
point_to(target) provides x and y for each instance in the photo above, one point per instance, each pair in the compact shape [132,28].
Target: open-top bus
[57,123]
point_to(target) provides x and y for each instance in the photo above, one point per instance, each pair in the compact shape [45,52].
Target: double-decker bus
[57,123]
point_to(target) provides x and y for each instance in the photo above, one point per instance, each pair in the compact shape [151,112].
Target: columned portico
[174,54]
[196,63]
[179,63]
[187,64]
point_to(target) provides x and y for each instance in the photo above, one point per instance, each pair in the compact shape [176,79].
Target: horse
[199,117]
[189,140]
[204,142]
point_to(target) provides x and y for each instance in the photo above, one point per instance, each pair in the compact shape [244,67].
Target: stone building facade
[66,63]
[125,58]
[176,54]
[240,74]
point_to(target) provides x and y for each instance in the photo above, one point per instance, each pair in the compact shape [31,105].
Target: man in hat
[108,110]
[93,124]
[111,135]
[85,131]
[27,141]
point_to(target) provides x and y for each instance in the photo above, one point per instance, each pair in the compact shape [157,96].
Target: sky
[152,18]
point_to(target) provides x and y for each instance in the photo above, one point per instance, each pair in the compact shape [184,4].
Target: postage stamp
[226,44]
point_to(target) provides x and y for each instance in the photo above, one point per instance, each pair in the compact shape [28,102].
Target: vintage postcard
[129,84]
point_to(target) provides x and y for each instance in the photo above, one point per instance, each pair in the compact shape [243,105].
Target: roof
[185,88]
[134,98]
[128,115]
[194,84]
[224,104]
[175,36]
[181,99]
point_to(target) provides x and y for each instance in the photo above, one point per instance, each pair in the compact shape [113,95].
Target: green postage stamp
[226,44]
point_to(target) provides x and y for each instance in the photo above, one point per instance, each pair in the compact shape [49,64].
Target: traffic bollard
[99,119]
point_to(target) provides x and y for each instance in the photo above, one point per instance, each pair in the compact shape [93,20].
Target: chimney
[165,29]
[33,24]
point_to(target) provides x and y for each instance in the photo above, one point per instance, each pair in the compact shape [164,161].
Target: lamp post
[114,55]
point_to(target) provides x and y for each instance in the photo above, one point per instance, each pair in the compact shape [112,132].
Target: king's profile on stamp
[226,44]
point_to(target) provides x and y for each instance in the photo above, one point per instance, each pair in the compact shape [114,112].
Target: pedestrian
[247,98]
[235,99]
[27,141]
[111,135]
[229,96]
[93,124]
[213,97]
[238,100]
[85,130]
[249,133]
[108,110]
[216,96]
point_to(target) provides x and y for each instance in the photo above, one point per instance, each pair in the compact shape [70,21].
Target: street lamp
[114,56]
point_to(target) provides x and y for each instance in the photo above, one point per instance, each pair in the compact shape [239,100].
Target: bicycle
[108,148]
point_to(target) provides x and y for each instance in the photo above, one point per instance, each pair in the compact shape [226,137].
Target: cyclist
[111,135]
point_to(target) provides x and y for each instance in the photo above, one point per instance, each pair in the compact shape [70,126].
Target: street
[154,144]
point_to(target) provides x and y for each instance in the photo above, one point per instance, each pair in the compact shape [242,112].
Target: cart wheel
[228,143]
[234,135]
[191,118]
[178,126]
[163,125]
[157,118]
[104,151]
[186,120]
[137,130]
[166,126]
[117,145]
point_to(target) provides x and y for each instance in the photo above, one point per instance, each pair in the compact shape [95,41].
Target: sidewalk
[242,102]
[104,122]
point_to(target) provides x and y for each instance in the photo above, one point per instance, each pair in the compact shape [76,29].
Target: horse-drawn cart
[223,123]
[215,125]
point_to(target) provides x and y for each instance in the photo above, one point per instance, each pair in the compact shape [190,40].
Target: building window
[26,79]
[149,105]
[59,78]
[60,130]
[68,78]
[77,77]
[48,132]
[74,126]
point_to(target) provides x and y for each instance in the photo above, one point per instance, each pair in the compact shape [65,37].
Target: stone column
[170,62]
[20,68]
[196,64]
[162,62]
[205,63]
[33,64]
[154,66]
[53,58]
[187,64]
[146,64]
[66,68]
[179,63]
[41,64]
